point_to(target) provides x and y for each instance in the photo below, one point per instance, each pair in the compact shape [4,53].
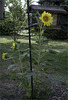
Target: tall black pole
[30,49]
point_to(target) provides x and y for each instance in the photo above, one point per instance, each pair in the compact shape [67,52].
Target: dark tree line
[54,2]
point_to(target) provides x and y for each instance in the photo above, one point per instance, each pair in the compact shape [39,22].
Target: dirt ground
[10,91]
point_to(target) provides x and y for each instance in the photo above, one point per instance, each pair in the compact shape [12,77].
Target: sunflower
[13,46]
[46,18]
[4,56]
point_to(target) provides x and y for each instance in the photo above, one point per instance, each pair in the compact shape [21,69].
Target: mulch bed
[8,91]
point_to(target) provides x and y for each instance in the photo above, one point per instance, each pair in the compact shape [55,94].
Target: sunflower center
[45,18]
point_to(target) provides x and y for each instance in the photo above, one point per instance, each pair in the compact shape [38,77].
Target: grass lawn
[58,68]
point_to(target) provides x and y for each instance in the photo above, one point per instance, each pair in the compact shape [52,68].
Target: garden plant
[18,57]
[31,70]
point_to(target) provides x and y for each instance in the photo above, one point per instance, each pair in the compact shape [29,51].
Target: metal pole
[30,49]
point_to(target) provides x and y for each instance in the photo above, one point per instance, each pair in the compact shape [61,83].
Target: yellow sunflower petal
[4,56]
[13,46]
[46,18]
[40,18]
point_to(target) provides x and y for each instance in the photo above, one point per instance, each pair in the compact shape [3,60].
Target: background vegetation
[15,18]
[62,33]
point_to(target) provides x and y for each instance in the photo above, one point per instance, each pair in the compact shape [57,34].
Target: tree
[15,17]
[53,2]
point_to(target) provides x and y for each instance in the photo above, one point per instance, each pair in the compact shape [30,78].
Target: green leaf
[24,57]
[24,69]
[13,76]
[50,60]
[29,74]
[34,60]
[53,52]
[34,24]
[42,69]
[11,66]
[28,94]
[47,63]
[46,68]
[64,83]
[27,49]
[9,58]
[21,52]
[36,63]
[15,68]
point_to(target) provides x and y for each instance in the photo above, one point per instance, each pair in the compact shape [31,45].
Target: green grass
[57,70]
[60,63]
[58,66]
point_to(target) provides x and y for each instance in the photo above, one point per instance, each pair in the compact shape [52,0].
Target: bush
[56,34]
[6,28]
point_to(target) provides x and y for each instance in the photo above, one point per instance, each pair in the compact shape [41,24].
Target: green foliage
[64,84]
[38,55]
[15,18]
[53,2]
[56,34]
[7,27]
[18,69]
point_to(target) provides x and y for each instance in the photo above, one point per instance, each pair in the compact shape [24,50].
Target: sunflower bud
[4,56]
[13,45]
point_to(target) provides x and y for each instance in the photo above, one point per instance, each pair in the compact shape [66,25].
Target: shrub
[6,28]
[56,34]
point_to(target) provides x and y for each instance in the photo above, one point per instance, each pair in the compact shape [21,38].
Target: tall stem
[39,56]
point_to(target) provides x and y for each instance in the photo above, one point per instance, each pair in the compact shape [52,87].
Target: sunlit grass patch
[58,45]
[5,39]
